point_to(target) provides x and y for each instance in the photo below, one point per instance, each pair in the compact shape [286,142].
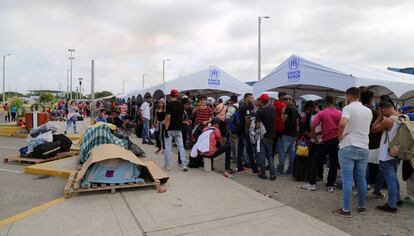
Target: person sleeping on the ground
[207,145]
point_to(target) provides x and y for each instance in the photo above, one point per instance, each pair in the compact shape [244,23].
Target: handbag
[302,148]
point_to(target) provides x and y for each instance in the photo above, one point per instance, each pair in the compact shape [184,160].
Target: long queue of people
[252,132]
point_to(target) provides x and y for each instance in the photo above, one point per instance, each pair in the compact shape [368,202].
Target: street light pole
[163,69]
[259,63]
[67,83]
[143,78]
[80,87]
[71,58]
[4,77]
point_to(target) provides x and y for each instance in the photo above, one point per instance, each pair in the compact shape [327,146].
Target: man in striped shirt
[203,113]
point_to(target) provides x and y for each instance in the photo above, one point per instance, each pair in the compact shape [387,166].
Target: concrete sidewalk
[195,203]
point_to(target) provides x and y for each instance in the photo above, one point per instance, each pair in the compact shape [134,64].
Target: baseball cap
[264,97]
[174,93]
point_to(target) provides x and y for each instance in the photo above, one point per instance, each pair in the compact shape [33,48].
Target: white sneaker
[166,168]
[308,187]
[330,189]
[185,168]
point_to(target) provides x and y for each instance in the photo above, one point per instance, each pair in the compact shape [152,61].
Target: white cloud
[129,38]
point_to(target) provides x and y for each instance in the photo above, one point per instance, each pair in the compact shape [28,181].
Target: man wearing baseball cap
[173,126]
[265,116]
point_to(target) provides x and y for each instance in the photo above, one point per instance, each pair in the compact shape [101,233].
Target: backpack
[233,122]
[402,145]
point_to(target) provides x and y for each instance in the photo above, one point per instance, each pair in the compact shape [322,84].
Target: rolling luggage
[65,142]
[46,150]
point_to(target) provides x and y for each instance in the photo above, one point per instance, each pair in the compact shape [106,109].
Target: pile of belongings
[42,143]
[112,169]
[110,164]
[103,133]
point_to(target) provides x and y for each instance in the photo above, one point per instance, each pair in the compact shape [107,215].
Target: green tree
[46,98]
[103,94]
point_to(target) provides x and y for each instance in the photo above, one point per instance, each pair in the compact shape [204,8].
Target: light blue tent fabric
[112,171]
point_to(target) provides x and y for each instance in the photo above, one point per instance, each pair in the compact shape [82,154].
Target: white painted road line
[8,147]
[12,171]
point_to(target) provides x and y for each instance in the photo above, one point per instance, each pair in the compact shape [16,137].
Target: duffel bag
[65,142]
[46,150]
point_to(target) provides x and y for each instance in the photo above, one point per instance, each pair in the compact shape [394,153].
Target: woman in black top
[159,125]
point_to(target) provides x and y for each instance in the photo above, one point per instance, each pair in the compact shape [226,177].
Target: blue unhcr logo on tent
[213,79]
[294,73]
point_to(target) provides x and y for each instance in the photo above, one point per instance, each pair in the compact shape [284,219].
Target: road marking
[8,147]
[13,171]
[31,211]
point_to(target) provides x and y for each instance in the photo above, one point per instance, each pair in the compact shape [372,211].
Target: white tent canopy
[300,75]
[209,82]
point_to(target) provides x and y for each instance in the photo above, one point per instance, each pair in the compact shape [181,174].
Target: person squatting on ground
[353,131]
[173,130]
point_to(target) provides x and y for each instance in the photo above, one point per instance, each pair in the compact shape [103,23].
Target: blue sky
[129,38]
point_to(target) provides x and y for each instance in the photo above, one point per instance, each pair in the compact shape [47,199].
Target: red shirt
[214,137]
[203,114]
[329,119]
[279,124]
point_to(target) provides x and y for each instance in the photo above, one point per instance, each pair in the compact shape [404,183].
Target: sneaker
[387,208]
[150,143]
[262,176]
[341,212]
[399,203]
[330,189]
[242,171]
[185,168]
[308,187]
[362,210]
[228,174]
[378,195]
[166,168]
[272,178]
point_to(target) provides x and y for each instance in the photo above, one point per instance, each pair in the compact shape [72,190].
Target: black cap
[215,121]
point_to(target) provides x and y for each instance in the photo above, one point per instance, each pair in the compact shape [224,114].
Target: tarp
[209,82]
[112,151]
[306,75]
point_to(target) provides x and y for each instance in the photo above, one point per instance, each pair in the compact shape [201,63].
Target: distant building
[408,70]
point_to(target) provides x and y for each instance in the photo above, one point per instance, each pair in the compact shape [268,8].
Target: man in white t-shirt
[353,131]
[388,165]
[146,117]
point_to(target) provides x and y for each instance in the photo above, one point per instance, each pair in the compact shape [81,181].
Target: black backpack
[65,142]
[46,150]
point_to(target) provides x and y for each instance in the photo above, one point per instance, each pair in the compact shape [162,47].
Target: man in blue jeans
[146,117]
[245,111]
[290,117]
[265,115]
[353,131]
[173,126]
[388,165]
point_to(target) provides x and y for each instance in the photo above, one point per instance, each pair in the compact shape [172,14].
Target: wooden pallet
[70,185]
[26,160]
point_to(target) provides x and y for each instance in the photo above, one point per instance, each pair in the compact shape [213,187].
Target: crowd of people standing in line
[351,142]
[252,131]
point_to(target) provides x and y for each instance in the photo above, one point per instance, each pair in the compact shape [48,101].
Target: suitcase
[65,142]
[46,150]
[301,168]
